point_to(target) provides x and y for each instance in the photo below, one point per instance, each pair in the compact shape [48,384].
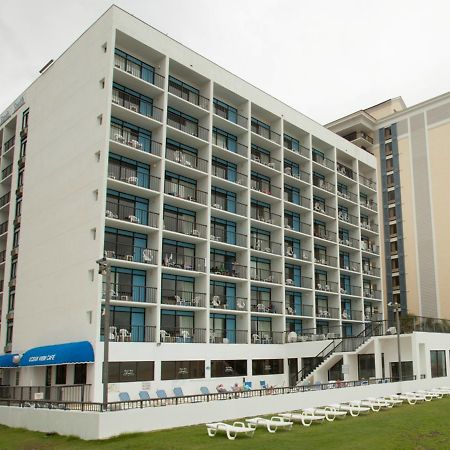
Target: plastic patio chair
[124,397]
[204,390]
[178,392]
[144,395]
[161,393]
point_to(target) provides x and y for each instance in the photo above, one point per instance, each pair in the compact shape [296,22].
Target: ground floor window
[366,366]
[267,366]
[80,374]
[438,365]
[61,374]
[407,370]
[129,371]
[231,368]
[181,370]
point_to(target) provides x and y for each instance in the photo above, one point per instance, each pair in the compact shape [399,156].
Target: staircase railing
[347,344]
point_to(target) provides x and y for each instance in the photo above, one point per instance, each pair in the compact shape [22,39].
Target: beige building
[412,147]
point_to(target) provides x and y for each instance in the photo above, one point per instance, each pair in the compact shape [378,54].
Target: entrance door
[293,371]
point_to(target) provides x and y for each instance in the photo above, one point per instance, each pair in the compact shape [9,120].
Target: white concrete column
[378,360]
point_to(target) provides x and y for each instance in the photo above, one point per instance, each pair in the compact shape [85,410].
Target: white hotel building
[237,229]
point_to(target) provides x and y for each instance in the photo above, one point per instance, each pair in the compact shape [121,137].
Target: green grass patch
[421,426]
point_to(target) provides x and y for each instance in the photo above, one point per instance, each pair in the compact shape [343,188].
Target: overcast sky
[325,58]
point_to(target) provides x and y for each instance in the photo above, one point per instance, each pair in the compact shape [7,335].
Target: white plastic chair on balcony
[132,180]
[113,333]
[124,335]
[256,339]
[147,256]
[216,301]
[164,336]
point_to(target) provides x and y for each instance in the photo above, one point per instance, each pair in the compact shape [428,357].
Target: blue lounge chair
[263,384]
[144,395]
[178,392]
[248,385]
[161,393]
[124,397]
[204,390]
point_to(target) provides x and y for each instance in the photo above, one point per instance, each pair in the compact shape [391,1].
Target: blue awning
[52,355]
[6,361]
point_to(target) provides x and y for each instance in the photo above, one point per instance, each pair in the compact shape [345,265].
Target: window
[176,287]
[438,364]
[16,237]
[173,321]
[132,65]
[80,374]
[132,100]
[394,247]
[291,143]
[11,300]
[393,230]
[222,199]
[184,90]
[391,213]
[223,139]
[394,264]
[407,370]
[13,269]
[18,207]
[25,117]
[129,134]
[224,110]
[260,154]
[260,127]
[9,331]
[366,366]
[129,170]
[387,133]
[390,180]
[391,196]
[61,374]
[232,368]
[267,366]
[131,371]
[23,149]
[130,319]
[389,165]
[181,370]
[388,148]
[395,282]
[224,169]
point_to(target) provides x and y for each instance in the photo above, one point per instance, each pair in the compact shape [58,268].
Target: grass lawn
[422,426]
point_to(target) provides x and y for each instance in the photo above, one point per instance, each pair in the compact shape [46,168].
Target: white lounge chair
[430,394]
[231,430]
[381,401]
[411,398]
[373,405]
[353,408]
[329,412]
[271,424]
[394,400]
[306,417]
[443,391]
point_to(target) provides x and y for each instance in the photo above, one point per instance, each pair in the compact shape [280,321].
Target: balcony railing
[228,336]
[299,174]
[192,128]
[2,256]
[7,171]
[327,313]
[130,253]
[267,337]
[132,176]
[354,266]
[219,202]
[325,260]
[305,282]
[299,310]
[265,188]
[131,293]
[371,247]
[135,104]
[135,140]
[236,118]
[327,286]
[5,199]
[266,133]
[346,171]
[350,290]
[299,200]
[188,95]
[185,192]
[375,316]
[325,234]
[369,226]
[323,184]
[372,293]
[9,144]
[185,227]
[267,217]
[322,160]
[347,195]
[232,238]
[369,204]
[183,298]
[64,393]
[324,209]
[304,255]
[370,270]
[187,159]
[229,174]
[266,306]
[183,335]
[302,228]
[350,242]
[228,269]
[186,262]
[229,144]
[368,182]
[228,302]
[266,275]
[3,227]
[131,214]
[133,333]
[302,150]
[351,314]
[347,217]
[266,160]
[265,245]
[136,70]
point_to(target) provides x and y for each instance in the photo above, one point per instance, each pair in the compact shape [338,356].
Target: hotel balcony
[298,175]
[187,126]
[266,160]
[183,298]
[302,255]
[305,282]
[185,227]
[265,275]
[372,293]
[368,182]
[185,262]
[4,200]
[185,192]
[265,188]
[229,144]
[133,177]
[130,253]
[131,293]
[136,105]
[322,208]
[266,306]
[228,302]
[133,333]
[301,227]
[262,244]
[371,271]
[351,314]
[350,290]
[231,238]
[347,195]
[359,136]
[228,269]
[131,214]
[301,150]
[235,118]
[322,160]
[229,175]
[222,204]
[231,336]
[176,88]
[352,266]
[323,184]
[9,144]
[348,218]
[350,242]
[2,256]
[135,140]
[346,171]
[372,316]
[266,133]
[183,335]
[294,309]
[266,217]
[327,286]
[369,204]
[325,260]
[268,337]
[325,234]
[327,313]
[372,227]
[7,171]
[187,159]
[3,228]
